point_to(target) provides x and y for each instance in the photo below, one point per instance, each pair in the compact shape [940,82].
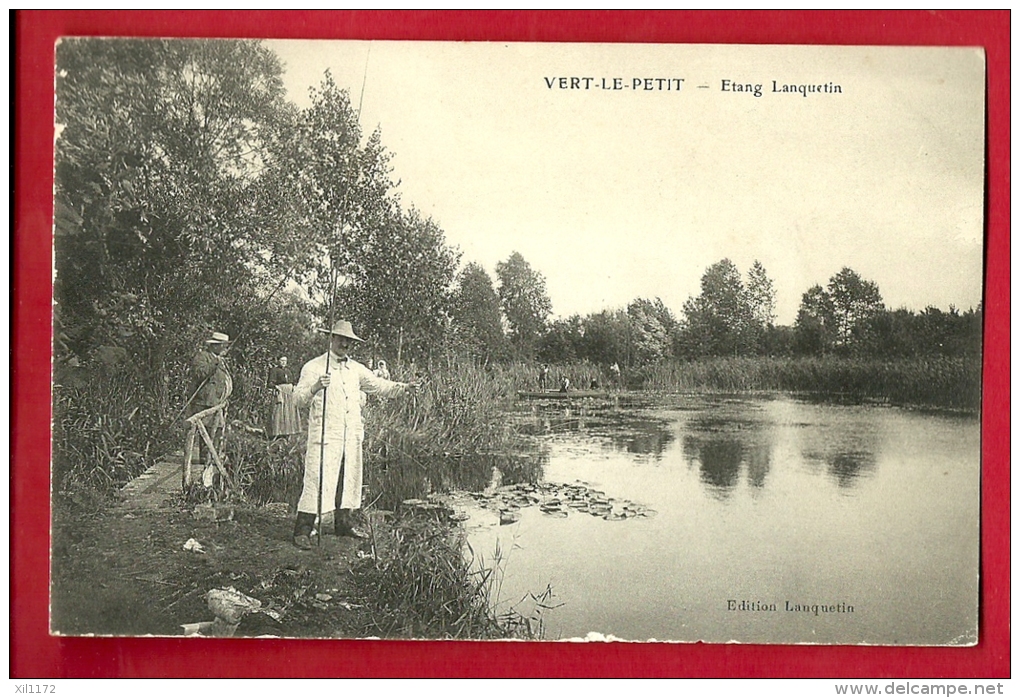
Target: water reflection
[722,443]
[623,430]
[846,452]
[718,461]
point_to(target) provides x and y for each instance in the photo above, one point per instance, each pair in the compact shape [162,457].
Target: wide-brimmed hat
[344,329]
[218,338]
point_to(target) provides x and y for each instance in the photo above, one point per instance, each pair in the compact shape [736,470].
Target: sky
[616,194]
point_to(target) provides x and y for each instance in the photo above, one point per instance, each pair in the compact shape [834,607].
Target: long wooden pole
[329,337]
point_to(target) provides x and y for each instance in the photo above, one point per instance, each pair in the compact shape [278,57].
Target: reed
[104,430]
[424,586]
[937,381]
[451,435]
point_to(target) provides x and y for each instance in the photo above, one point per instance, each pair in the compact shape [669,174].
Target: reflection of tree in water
[719,461]
[759,461]
[846,467]
[625,431]
[643,437]
[721,444]
[847,454]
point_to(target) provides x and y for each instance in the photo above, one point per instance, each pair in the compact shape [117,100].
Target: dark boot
[344,524]
[303,530]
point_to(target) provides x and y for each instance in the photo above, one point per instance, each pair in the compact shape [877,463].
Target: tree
[162,158]
[477,322]
[608,338]
[394,267]
[814,329]
[761,296]
[563,341]
[854,302]
[397,285]
[524,302]
[652,329]
[718,321]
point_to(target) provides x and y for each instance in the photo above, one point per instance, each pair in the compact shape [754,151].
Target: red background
[35,654]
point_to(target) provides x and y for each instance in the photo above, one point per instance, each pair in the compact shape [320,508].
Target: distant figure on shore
[594,384]
[615,371]
[284,419]
[564,384]
[543,376]
[382,371]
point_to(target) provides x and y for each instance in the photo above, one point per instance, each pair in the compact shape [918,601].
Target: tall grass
[423,586]
[104,430]
[450,435]
[937,381]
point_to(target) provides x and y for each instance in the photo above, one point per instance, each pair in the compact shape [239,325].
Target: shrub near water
[423,586]
[449,436]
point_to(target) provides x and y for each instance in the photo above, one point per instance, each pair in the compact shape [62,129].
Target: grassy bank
[936,382]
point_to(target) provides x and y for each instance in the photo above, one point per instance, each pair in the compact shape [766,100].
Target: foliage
[718,322]
[840,316]
[425,587]
[395,268]
[931,381]
[159,162]
[524,301]
[761,296]
[475,310]
[449,436]
[854,302]
[103,429]
[652,329]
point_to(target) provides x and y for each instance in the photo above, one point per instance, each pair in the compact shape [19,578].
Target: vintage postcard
[675,343]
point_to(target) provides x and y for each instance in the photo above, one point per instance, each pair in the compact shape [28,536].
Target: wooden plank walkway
[161,481]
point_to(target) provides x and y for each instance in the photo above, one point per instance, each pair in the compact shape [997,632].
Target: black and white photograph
[517,341]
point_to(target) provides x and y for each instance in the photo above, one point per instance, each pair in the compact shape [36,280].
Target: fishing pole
[333,263]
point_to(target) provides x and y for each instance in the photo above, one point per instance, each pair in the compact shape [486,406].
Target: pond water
[777,520]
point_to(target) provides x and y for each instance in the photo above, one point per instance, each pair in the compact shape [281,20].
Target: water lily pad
[509,516]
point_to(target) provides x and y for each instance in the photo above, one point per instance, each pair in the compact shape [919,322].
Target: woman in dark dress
[283,419]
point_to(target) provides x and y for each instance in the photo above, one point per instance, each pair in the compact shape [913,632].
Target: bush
[104,430]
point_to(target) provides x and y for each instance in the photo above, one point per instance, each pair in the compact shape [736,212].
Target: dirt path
[124,571]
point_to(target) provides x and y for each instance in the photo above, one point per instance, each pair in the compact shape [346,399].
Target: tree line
[192,195]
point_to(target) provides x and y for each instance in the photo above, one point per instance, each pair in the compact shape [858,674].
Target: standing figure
[337,445]
[284,418]
[382,371]
[211,385]
[564,384]
[543,376]
[615,371]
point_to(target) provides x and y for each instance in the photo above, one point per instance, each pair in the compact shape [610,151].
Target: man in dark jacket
[211,385]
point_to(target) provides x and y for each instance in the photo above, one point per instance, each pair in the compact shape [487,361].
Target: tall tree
[563,340]
[162,156]
[854,302]
[814,329]
[477,321]
[761,296]
[717,322]
[524,301]
[394,267]
[397,284]
[652,330]
[608,338]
